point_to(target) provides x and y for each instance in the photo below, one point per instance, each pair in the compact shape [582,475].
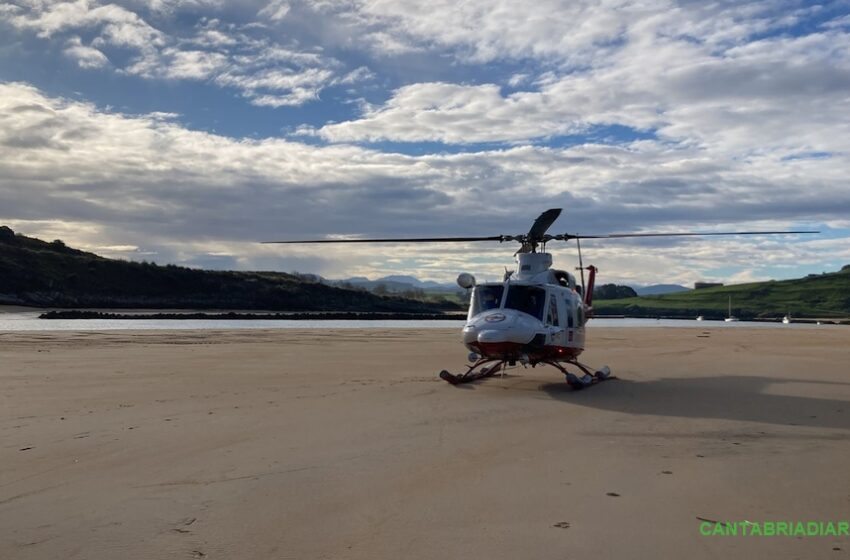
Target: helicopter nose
[505,326]
[503,343]
[517,334]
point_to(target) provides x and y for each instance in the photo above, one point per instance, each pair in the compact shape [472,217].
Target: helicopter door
[556,327]
[570,322]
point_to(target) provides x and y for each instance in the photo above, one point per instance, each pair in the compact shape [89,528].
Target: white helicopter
[538,314]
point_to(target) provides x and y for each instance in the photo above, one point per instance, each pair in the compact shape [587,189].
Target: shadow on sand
[732,397]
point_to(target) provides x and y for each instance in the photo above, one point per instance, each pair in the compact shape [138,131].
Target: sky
[187,131]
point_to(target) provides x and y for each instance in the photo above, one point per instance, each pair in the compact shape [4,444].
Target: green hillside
[822,296]
[37,273]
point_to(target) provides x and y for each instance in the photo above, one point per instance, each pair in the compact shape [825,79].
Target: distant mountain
[35,272]
[424,284]
[396,284]
[658,289]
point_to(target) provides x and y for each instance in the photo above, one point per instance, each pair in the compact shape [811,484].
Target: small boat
[731,318]
[700,318]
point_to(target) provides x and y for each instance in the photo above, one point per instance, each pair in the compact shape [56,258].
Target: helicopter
[537,315]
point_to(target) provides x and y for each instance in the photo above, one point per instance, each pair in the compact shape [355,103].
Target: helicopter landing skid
[478,370]
[589,378]
[488,368]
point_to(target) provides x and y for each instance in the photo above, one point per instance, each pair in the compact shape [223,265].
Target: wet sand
[319,444]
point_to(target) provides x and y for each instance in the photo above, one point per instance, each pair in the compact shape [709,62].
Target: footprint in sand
[185,523]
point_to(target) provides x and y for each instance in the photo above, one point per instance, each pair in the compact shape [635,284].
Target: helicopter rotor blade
[543,222]
[568,236]
[537,234]
[499,238]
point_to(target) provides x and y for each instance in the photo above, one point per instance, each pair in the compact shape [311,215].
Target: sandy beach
[303,444]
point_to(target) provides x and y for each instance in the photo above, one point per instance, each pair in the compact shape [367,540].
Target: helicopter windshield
[486,297]
[528,299]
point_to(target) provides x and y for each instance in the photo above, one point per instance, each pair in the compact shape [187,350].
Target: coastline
[268,316]
[189,314]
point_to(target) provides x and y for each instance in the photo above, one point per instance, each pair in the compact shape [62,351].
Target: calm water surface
[29,321]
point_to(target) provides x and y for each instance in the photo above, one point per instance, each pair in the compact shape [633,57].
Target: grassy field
[824,295]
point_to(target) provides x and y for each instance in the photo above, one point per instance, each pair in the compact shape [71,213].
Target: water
[29,321]
[706,324]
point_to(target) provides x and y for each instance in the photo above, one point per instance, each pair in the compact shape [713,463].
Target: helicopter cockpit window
[486,297]
[528,299]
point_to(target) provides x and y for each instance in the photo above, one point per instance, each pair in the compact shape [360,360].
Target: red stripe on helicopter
[515,350]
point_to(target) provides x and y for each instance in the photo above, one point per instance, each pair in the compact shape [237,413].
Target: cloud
[241,57]
[275,10]
[652,115]
[299,86]
[518,79]
[117,24]
[454,114]
[170,6]
[778,95]
[86,57]
[115,179]
[482,31]
[563,33]
[178,64]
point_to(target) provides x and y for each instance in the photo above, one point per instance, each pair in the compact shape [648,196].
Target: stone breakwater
[329,316]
